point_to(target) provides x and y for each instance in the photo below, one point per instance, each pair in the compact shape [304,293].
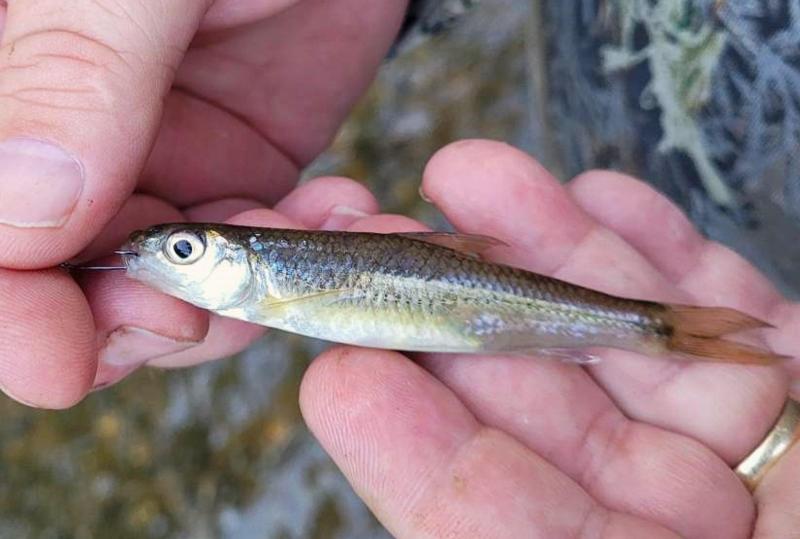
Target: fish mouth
[128,255]
[126,252]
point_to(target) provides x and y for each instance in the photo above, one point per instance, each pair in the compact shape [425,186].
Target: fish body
[410,292]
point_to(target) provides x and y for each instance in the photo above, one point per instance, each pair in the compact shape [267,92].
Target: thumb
[82,85]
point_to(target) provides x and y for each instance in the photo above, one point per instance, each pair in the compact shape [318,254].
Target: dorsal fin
[469,244]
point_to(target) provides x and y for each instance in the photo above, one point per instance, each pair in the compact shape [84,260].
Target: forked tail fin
[698,331]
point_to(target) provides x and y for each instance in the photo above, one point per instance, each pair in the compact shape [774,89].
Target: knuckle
[63,70]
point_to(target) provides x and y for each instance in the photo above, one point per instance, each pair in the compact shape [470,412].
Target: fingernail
[108,375]
[129,345]
[424,196]
[13,397]
[128,348]
[340,217]
[39,183]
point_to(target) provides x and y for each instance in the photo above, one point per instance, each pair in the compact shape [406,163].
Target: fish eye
[184,247]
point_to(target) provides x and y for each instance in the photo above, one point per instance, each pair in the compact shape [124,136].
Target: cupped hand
[635,446]
[116,115]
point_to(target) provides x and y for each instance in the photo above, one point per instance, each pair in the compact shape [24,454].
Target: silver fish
[415,292]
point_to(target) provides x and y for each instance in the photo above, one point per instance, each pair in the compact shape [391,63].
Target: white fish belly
[374,328]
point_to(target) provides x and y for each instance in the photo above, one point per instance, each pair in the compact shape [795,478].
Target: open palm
[635,446]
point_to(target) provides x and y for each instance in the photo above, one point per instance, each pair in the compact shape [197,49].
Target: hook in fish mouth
[122,252]
[71,267]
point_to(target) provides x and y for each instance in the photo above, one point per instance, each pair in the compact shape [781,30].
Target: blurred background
[700,97]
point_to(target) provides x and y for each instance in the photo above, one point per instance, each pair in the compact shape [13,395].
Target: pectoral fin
[469,244]
[326,297]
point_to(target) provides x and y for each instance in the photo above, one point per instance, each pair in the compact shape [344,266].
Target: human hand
[635,446]
[232,99]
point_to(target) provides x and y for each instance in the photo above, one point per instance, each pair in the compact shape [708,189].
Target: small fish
[427,292]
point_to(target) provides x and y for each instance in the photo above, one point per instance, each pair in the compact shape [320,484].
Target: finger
[387,223]
[544,228]
[557,238]
[139,211]
[127,318]
[203,153]
[559,412]
[328,203]
[786,316]
[709,272]
[778,496]
[641,216]
[81,92]
[726,407]
[47,342]
[220,210]
[228,13]
[137,324]
[659,230]
[286,58]
[703,268]
[427,468]
[225,338]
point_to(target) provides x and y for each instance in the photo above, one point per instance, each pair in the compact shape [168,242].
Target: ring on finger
[775,445]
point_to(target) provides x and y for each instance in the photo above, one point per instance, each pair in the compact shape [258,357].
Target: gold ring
[777,442]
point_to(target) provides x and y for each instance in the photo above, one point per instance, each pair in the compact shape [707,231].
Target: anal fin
[571,355]
[577,356]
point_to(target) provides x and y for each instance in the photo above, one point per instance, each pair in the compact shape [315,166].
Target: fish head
[197,263]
